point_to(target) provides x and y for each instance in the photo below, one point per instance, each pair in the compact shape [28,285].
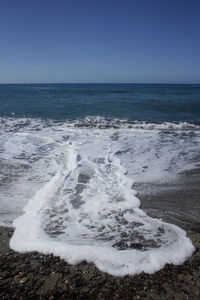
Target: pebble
[18,269]
[24,280]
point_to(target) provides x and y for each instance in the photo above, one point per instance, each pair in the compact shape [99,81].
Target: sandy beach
[37,276]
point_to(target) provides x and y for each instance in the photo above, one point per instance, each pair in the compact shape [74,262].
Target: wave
[96,122]
[72,185]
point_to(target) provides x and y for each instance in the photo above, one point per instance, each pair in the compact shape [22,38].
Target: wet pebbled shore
[36,276]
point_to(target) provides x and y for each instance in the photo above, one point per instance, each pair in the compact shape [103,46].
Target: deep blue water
[142,102]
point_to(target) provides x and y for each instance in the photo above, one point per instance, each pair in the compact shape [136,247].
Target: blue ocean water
[135,102]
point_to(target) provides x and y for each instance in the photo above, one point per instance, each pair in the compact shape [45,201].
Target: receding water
[70,156]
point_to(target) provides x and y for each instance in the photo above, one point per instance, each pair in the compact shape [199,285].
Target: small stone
[24,280]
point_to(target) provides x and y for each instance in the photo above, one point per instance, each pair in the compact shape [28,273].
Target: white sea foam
[78,187]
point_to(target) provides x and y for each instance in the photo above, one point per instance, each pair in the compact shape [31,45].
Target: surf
[81,203]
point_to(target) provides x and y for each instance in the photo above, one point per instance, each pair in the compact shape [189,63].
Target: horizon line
[150,83]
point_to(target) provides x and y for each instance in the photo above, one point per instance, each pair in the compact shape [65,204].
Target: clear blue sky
[154,41]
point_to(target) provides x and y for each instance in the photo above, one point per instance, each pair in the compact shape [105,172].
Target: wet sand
[177,202]
[36,276]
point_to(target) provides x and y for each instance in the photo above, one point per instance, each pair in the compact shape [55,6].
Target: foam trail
[81,205]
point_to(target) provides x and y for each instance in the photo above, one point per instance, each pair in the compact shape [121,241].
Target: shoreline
[33,275]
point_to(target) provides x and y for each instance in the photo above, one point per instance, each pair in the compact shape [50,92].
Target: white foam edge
[181,125]
[6,224]
[29,236]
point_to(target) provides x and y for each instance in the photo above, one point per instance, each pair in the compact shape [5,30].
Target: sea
[71,157]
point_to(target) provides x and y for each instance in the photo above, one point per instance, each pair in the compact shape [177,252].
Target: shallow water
[74,182]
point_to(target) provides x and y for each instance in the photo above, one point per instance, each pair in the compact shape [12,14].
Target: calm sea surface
[142,102]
